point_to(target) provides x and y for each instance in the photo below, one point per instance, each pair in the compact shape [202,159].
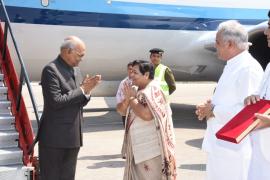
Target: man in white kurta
[260,163]
[241,77]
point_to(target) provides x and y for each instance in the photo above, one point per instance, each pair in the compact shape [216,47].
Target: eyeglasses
[79,54]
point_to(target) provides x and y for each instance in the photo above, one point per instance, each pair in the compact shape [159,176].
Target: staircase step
[6,120]
[7,127]
[9,139]
[10,168]
[9,144]
[15,172]
[6,135]
[3,97]
[4,104]
[3,90]
[5,112]
[10,156]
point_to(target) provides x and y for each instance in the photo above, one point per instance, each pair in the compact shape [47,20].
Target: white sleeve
[120,94]
[247,83]
[262,89]
[224,113]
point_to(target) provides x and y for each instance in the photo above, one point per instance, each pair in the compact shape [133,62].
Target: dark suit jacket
[61,121]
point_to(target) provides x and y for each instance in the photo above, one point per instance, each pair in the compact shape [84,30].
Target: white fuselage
[111,47]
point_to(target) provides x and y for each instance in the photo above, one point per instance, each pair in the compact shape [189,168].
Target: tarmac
[100,159]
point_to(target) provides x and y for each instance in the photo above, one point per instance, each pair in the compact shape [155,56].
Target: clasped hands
[205,110]
[129,92]
[89,83]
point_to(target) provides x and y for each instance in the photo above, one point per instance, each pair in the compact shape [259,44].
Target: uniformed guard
[163,74]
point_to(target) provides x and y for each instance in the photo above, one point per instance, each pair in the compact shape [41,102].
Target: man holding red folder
[241,77]
[260,163]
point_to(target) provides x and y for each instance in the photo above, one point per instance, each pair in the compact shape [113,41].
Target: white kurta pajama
[260,163]
[241,77]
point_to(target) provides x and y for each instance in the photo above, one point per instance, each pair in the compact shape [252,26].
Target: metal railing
[23,75]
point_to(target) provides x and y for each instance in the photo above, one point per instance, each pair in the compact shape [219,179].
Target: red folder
[243,122]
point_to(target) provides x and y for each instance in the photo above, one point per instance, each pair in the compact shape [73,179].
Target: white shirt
[261,137]
[120,92]
[241,77]
[260,162]
[264,90]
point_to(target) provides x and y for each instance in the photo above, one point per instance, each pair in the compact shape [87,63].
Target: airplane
[119,31]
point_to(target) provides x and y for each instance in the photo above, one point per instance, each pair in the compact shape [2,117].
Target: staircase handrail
[18,108]
[24,74]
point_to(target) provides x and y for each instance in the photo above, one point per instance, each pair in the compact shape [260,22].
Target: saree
[160,109]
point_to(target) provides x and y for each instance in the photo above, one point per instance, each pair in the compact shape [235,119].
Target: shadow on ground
[195,142]
[101,157]
[183,117]
[196,167]
[108,119]
[107,164]
[109,161]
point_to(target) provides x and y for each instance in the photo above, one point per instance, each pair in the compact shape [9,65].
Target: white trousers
[260,166]
[227,167]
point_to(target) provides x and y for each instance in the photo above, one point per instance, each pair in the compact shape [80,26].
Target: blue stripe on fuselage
[93,19]
[145,9]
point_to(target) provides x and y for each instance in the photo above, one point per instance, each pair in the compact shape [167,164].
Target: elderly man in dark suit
[65,93]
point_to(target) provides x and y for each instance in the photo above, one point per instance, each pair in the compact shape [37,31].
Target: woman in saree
[149,142]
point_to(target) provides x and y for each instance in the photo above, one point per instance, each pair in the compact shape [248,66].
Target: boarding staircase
[17,162]
[11,162]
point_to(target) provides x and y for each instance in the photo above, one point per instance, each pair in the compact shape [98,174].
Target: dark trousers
[124,120]
[57,163]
